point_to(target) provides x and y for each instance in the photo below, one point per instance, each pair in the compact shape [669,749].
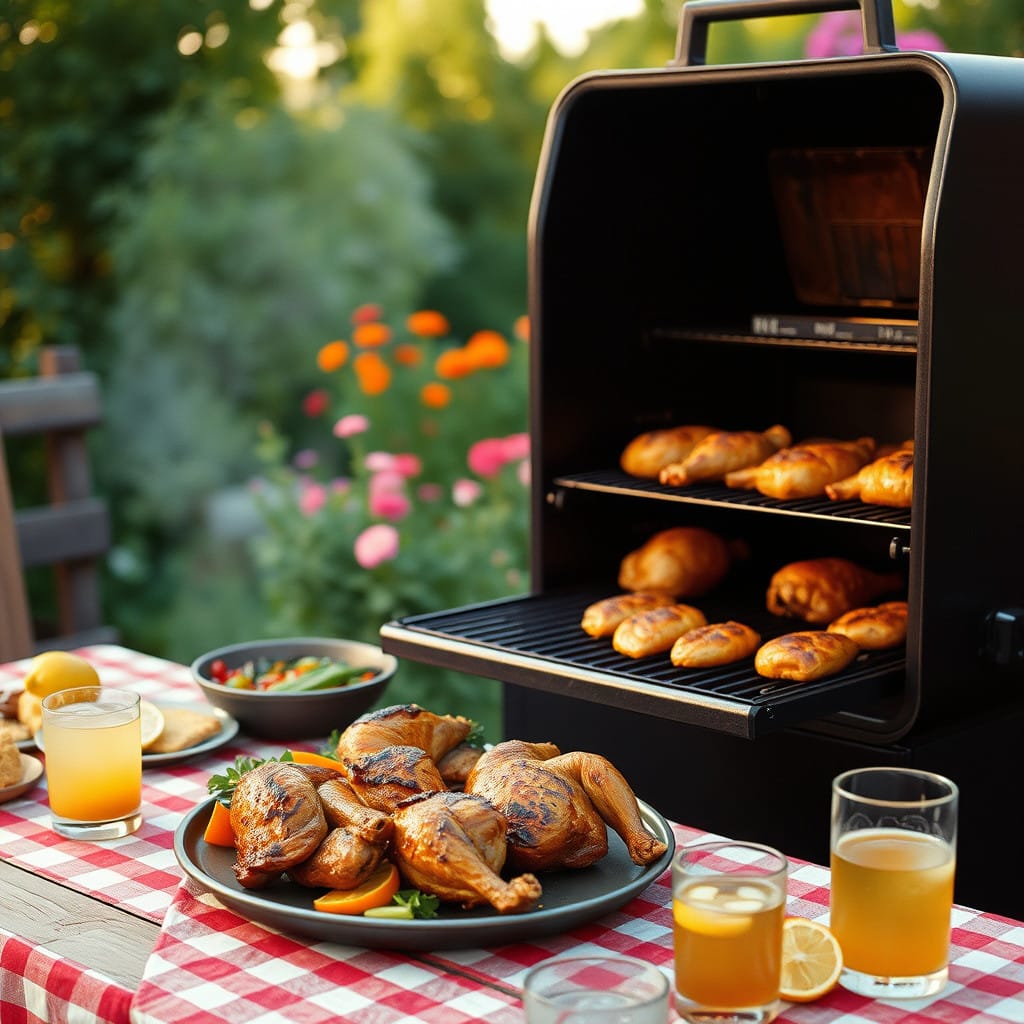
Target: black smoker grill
[836,245]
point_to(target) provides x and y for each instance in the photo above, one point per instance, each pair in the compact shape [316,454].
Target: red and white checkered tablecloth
[210,966]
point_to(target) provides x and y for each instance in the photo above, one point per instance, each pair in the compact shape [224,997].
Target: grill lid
[536,641]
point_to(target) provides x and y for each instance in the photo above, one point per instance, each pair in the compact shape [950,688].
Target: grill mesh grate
[537,641]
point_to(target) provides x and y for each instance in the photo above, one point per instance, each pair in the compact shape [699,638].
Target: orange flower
[371,335]
[428,323]
[521,328]
[332,356]
[408,355]
[373,373]
[366,312]
[453,363]
[487,350]
[435,395]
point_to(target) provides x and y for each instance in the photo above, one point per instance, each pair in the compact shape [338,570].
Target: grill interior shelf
[715,495]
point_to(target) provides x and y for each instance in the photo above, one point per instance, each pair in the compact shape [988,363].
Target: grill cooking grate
[537,641]
[611,481]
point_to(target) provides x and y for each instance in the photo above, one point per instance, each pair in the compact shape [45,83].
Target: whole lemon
[58,670]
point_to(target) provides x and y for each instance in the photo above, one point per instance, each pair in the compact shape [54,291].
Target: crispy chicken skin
[405,725]
[717,643]
[344,809]
[601,618]
[656,630]
[684,561]
[456,765]
[874,629]
[342,861]
[385,778]
[649,452]
[805,656]
[278,821]
[558,805]
[819,590]
[804,470]
[453,845]
[724,452]
[888,480]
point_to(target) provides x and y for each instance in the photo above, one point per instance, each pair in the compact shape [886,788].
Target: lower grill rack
[536,641]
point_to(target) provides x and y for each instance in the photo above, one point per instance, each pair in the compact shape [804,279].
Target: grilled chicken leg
[888,480]
[342,861]
[723,452]
[557,806]
[804,470]
[821,589]
[453,845]
[278,821]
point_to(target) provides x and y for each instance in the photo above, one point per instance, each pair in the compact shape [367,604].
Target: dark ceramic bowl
[295,716]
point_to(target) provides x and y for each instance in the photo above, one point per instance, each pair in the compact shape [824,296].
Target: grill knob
[1004,637]
[898,550]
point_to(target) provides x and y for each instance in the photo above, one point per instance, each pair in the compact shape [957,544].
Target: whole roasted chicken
[558,806]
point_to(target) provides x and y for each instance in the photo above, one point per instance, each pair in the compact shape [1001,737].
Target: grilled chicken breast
[874,629]
[805,656]
[601,618]
[715,643]
[819,590]
[724,452]
[654,631]
[647,454]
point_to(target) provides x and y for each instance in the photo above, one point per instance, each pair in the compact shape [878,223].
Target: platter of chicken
[516,841]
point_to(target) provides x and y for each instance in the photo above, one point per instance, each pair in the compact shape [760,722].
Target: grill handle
[697,15]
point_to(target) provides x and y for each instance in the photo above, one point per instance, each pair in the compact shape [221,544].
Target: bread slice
[183,728]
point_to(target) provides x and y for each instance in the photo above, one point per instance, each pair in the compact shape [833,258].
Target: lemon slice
[705,921]
[152,721]
[811,960]
[58,670]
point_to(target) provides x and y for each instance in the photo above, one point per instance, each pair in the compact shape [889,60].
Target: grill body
[679,216]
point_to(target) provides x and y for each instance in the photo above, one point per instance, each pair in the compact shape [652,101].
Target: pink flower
[349,426]
[312,499]
[376,544]
[408,464]
[305,459]
[486,457]
[523,472]
[392,505]
[341,485]
[920,39]
[840,34]
[386,480]
[315,402]
[517,446]
[465,492]
[429,492]
[375,462]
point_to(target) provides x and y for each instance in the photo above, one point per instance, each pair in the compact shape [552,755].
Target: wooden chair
[72,532]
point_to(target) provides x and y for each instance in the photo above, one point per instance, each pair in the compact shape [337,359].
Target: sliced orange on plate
[376,891]
[811,960]
[218,829]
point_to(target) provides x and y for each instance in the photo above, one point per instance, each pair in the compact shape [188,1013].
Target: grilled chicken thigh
[685,561]
[557,806]
[342,861]
[724,452]
[805,656]
[656,630]
[804,470]
[601,618]
[387,777]
[344,809]
[453,845]
[821,589]
[717,643]
[874,629]
[278,820]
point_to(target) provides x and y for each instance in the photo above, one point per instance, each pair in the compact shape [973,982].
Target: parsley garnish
[223,786]
[421,904]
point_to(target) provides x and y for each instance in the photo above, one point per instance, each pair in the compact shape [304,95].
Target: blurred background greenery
[199,194]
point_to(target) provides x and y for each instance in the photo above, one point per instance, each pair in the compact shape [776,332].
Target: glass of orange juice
[893,854]
[93,745]
[728,904]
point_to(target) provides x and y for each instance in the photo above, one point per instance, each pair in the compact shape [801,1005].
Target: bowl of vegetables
[295,688]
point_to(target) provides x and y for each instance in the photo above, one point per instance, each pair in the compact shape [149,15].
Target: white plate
[228,731]
[31,773]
